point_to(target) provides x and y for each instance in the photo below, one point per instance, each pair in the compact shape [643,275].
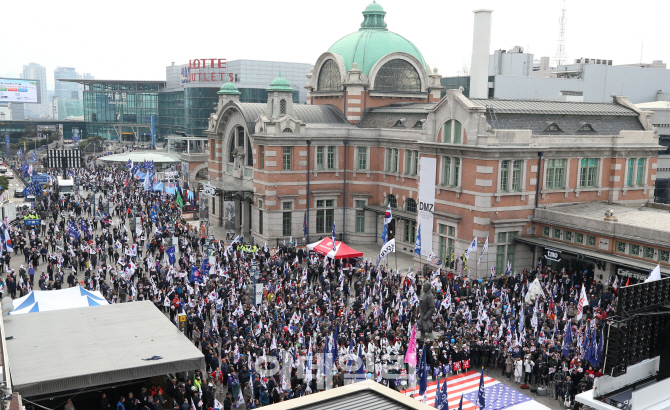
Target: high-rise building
[66,90]
[34,71]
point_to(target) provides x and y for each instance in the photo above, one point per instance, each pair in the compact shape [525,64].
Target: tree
[4,183]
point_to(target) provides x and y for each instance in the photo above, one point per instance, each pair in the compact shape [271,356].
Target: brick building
[375,111]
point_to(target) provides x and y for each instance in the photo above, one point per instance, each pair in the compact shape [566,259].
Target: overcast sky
[137,39]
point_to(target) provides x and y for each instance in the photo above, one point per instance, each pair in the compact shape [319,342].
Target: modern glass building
[116,109]
[120,110]
[190,94]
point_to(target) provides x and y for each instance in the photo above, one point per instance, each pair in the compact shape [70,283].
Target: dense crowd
[514,322]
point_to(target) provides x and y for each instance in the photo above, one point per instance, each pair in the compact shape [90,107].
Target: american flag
[498,395]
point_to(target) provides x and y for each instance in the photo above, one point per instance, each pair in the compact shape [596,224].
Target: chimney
[479,66]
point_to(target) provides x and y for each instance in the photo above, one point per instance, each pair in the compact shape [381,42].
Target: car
[18,193]
[9,175]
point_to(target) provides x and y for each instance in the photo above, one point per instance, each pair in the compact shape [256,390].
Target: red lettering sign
[213,63]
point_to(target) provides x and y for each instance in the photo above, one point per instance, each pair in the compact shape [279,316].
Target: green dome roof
[280,84]
[228,89]
[374,7]
[372,42]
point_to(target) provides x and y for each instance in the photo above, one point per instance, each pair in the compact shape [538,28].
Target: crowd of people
[311,306]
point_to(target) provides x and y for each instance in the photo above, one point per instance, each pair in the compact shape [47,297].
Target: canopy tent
[45,301]
[342,251]
[85,348]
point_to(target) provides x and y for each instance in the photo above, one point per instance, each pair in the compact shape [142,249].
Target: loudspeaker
[664,349]
[541,391]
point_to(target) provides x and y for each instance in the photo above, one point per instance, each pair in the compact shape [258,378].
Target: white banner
[389,247]
[259,293]
[426,203]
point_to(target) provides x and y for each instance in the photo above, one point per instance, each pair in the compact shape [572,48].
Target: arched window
[287,130]
[250,155]
[282,107]
[410,205]
[231,148]
[452,132]
[329,77]
[240,141]
[390,200]
[398,75]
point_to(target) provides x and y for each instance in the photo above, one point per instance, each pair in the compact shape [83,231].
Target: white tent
[68,298]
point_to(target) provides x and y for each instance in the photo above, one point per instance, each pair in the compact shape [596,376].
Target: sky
[137,39]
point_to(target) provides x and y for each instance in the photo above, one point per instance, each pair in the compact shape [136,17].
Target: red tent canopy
[325,247]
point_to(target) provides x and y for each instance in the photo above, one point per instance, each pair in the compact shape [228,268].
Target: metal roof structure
[308,114]
[365,395]
[405,108]
[554,107]
[86,81]
[85,347]
[141,156]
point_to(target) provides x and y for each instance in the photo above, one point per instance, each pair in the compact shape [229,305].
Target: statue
[426,309]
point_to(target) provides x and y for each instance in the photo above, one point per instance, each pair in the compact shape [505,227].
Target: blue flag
[599,349]
[334,244]
[196,275]
[129,164]
[72,230]
[423,372]
[206,266]
[333,347]
[360,372]
[460,405]
[171,254]
[594,349]
[154,214]
[481,400]
[417,243]
[384,235]
[567,341]
[443,403]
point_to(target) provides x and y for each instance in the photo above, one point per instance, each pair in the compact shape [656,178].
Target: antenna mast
[561,57]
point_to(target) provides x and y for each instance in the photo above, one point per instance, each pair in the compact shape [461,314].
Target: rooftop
[366,395]
[107,347]
[140,156]
[84,81]
[554,107]
[635,223]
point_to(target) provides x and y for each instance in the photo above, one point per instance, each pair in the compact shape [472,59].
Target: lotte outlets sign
[206,70]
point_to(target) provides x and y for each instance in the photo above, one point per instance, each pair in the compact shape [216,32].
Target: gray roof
[91,346]
[568,124]
[409,108]
[320,114]
[554,107]
[368,400]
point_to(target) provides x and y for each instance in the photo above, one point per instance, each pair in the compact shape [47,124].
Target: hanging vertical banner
[426,203]
[153,131]
[7,144]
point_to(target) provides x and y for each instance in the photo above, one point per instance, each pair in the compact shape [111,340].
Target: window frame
[331,158]
[553,176]
[364,152]
[261,157]
[359,225]
[588,172]
[618,247]
[287,159]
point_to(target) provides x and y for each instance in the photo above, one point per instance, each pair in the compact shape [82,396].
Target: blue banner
[31,222]
[153,131]
[7,144]
[171,254]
